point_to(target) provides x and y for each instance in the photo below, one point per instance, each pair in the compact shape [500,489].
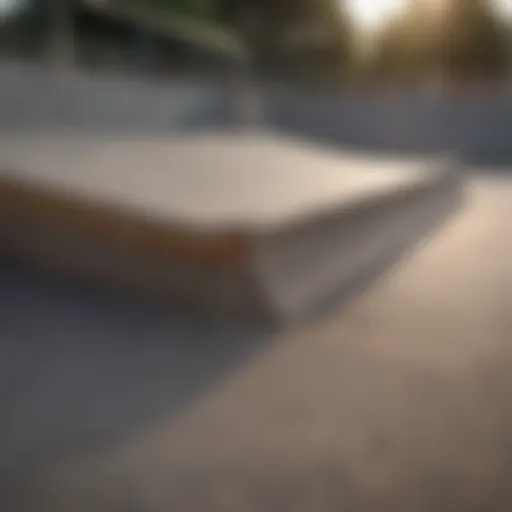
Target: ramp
[243,226]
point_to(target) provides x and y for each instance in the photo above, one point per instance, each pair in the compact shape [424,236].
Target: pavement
[396,400]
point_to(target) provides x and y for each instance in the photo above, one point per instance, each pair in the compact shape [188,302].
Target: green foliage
[306,38]
[302,38]
[202,9]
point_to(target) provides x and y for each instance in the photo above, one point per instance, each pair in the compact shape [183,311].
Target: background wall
[31,98]
[479,129]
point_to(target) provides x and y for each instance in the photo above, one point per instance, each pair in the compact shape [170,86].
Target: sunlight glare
[370,13]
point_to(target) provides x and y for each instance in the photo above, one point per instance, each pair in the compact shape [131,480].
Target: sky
[370,13]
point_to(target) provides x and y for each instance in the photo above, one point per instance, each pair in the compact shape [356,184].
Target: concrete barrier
[475,128]
[31,99]
[247,226]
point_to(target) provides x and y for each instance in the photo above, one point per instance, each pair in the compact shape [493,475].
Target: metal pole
[60,36]
[247,101]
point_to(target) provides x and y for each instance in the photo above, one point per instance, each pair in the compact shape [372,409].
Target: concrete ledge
[244,227]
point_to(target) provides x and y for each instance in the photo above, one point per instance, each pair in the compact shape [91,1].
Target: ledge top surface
[206,181]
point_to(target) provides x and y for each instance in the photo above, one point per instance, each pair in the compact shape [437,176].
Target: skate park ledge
[230,226]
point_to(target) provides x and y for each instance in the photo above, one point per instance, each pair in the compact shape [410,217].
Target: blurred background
[423,45]
[401,403]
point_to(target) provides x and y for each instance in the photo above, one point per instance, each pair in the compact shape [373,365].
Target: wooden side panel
[125,231]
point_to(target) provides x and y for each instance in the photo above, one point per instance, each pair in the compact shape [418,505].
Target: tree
[308,37]
[464,40]
[302,37]
[472,41]
[201,9]
[299,36]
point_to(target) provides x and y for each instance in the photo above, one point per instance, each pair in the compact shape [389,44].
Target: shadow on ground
[78,369]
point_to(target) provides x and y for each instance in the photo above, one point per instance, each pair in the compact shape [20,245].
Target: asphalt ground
[398,400]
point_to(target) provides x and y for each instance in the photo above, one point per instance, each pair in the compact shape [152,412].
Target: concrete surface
[398,400]
[252,182]
[231,225]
